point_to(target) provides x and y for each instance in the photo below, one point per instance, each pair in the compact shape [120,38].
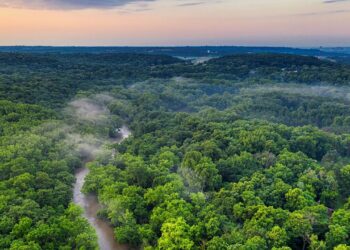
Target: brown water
[91,206]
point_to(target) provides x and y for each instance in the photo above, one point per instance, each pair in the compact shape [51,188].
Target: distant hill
[199,51]
[342,50]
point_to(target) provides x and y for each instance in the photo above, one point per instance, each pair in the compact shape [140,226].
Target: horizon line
[181,46]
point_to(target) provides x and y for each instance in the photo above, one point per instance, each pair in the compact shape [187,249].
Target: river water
[90,205]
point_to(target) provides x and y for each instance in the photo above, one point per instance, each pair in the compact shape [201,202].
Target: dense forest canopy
[53,79]
[248,151]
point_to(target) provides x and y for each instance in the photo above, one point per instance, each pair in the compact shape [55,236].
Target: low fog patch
[92,108]
[90,114]
[342,92]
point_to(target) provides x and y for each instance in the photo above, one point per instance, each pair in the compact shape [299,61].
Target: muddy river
[91,206]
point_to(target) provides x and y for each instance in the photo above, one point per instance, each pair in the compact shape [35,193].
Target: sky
[297,23]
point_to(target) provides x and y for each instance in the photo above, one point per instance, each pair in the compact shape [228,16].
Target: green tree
[175,235]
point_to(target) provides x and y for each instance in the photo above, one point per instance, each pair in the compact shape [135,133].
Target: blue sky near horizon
[299,23]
